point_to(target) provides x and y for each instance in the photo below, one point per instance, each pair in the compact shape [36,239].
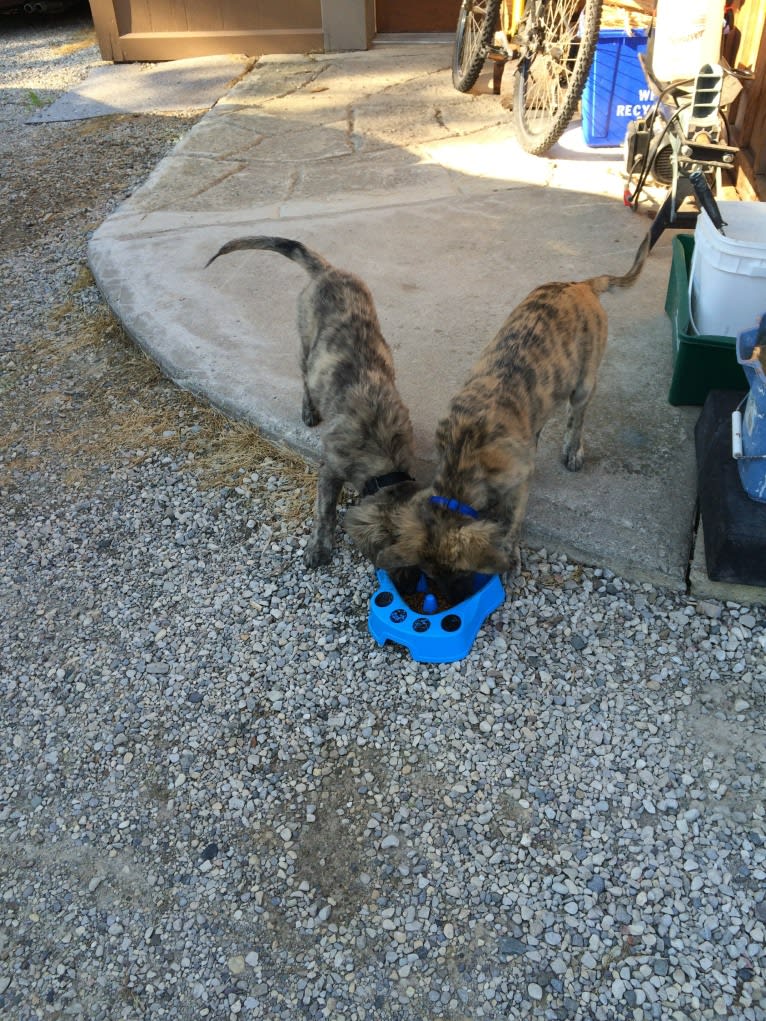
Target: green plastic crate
[700,362]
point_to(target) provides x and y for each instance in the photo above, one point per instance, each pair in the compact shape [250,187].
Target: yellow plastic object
[511,15]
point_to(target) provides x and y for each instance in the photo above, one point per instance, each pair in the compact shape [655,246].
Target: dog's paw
[316,553]
[512,555]
[573,459]
[309,414]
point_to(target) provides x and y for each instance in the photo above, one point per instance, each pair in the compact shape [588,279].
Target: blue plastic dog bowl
[433,637]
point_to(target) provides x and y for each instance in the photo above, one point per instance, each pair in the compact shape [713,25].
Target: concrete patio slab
[422,192]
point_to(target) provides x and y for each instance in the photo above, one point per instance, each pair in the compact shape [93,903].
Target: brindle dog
[349,385]
[547,352]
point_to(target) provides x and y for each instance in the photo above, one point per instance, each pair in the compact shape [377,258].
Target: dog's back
[548,349]
[538,357]
[348,384]
[342,345]
[546,352]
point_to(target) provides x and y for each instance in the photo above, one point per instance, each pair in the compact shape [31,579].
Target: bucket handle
[692,269]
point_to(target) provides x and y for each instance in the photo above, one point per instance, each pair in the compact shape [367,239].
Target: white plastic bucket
[687,35]
[727,277]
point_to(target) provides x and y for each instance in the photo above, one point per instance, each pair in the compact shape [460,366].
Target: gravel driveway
[219,798]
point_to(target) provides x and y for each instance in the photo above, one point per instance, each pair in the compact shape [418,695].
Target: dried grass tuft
[84,395]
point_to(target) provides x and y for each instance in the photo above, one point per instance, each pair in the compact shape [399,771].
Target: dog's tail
[607,282]
[313,263]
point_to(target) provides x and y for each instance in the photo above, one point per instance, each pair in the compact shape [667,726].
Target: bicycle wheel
[558,39]
[475,27]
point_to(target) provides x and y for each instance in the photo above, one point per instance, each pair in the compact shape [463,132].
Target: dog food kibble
[417,600]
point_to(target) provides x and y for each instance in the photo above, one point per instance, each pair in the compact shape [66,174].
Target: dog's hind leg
[320,543]
[308,328]
[593,333]
[309,414]
[573,452]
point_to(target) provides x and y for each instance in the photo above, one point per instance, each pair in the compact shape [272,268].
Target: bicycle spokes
[476,25]
[557,44]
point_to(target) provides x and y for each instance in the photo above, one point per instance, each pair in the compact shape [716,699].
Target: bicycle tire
[475,28]
[558,42]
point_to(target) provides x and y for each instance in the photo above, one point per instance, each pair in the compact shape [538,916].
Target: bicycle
[551,45]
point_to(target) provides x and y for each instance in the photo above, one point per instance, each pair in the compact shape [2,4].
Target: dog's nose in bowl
[430,633]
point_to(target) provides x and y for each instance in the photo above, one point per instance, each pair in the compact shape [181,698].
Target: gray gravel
[220,799]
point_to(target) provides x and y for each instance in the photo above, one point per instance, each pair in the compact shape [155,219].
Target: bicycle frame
[550,45]
[515,11]
[513,26]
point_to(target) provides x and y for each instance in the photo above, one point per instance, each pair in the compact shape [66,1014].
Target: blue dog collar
[454,505]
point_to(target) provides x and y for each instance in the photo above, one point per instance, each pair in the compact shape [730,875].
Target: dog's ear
[390,536]
[376,527]
[368,526]
[393,558]
[478,547]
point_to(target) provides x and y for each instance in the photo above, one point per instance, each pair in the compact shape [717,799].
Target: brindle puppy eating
[348,384]
[547,352]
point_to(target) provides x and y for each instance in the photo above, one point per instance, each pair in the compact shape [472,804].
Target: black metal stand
[669,214]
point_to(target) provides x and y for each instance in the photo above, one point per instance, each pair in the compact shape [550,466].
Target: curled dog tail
[313,264]
[607,282]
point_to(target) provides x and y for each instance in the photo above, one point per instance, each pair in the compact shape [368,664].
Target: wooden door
[149,30]
[416,15]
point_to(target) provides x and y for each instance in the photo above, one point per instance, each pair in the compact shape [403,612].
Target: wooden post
[348,24]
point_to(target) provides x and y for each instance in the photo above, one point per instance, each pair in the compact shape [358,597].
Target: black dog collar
[374,485]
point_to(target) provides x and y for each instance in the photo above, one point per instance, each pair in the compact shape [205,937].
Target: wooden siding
[749,20]
[148,30]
